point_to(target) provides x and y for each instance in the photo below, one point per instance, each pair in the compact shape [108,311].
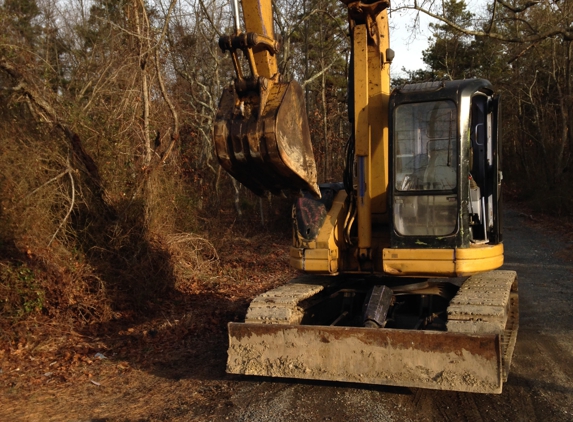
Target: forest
[111,197]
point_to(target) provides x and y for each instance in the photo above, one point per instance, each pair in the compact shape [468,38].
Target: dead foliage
[214,283]
[99,254]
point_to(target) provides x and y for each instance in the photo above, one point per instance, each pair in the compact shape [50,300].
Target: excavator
[399,263]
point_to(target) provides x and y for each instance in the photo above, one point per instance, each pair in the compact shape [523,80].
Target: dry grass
[186,324]
[192,255]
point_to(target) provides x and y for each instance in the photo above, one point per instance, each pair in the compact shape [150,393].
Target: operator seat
[440,173]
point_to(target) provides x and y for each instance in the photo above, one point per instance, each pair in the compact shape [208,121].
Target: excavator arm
[261,130]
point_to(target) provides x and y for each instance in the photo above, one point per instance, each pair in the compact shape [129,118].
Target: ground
[172,367]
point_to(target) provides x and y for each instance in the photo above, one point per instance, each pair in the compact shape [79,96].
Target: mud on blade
[407,358]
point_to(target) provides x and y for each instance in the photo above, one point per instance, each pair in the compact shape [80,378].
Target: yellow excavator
[398,284]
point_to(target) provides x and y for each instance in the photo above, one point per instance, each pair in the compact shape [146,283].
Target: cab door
[497,236]
[485,169]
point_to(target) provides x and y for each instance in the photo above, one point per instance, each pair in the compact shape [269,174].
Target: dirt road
[193,386]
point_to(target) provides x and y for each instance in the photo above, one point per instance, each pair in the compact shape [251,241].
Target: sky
[407,45]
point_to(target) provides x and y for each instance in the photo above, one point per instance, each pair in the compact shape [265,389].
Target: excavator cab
[446,165]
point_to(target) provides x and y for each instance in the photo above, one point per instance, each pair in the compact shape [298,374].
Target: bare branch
[516,9]
[209,18]
[142,35]
[166,24]
[318,74]
[566,33]
[166,97]
[522,52]
[53,179]
[493,13]
[69,171]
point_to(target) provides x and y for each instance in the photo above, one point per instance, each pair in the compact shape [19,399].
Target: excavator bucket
[262,139]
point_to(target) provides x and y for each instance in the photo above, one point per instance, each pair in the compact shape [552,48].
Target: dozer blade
[266,148]
[425,359]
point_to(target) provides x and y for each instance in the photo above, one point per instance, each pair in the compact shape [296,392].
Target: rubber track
[488,304]
[285,304]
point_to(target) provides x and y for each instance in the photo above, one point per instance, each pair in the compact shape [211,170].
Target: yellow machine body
[356,243]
